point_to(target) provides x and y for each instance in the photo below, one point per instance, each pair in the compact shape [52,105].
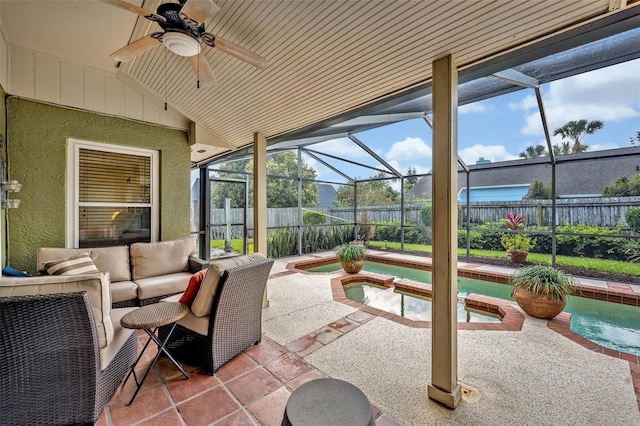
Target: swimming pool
[610,325]
[407,305]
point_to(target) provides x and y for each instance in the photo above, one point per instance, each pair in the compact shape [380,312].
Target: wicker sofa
[140,274]
[63,352]
[226,316]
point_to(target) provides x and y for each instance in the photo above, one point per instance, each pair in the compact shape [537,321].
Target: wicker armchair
[50,361]
[235,322]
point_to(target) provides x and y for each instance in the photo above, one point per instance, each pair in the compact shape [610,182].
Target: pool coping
[510,318]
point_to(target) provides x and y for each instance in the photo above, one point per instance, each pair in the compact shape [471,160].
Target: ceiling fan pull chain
[164,53]
[198,79]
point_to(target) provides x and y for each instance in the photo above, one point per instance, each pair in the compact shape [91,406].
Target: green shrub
[313,218]
[388,231]
[426,215]
[476,238]
[415,235]
[282,243]
[633,218]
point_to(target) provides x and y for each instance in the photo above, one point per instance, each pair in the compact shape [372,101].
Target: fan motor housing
[174,21]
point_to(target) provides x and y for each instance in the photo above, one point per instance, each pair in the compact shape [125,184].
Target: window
[114,195]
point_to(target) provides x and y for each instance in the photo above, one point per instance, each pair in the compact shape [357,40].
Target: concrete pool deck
[530,376]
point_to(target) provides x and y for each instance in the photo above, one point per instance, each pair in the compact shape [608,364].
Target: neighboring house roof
[326,195]
[576,174]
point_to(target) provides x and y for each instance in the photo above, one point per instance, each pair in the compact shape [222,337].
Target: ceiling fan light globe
[181,44]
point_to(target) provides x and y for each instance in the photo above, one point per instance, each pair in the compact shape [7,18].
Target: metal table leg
[161,348]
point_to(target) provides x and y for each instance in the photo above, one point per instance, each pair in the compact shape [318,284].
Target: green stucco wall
[3,155]
[37,146]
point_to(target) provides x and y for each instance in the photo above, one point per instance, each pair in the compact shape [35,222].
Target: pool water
[611,325]
[406,305]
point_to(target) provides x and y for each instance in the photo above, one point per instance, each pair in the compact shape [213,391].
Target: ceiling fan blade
[202,69]
[135,9]
[199,10]
[240,52]
[136,48]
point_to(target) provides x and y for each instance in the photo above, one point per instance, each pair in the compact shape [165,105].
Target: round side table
[325,402]
[149,318]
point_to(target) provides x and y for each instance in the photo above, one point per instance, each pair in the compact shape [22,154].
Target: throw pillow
[77,265]
[192,289]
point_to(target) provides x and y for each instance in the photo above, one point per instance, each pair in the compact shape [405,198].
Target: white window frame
[73,196]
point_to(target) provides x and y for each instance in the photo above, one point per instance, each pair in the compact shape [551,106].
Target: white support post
[260,199]
[444,386]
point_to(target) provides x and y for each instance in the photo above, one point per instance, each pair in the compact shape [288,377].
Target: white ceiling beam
[512,76]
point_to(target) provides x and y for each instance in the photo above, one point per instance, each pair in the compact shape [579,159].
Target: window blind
[114,195]
[110,177]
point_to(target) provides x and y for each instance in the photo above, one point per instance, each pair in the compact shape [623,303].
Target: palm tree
[563,148]
[575,130]
[534,152]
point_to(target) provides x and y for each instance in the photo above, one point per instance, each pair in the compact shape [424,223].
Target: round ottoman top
[325,402]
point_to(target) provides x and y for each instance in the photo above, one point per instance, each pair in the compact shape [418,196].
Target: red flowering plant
[514,220]
[516,241]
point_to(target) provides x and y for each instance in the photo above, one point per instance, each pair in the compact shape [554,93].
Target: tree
[222,191]
[410,179]
[635,139]
[562,149]
[282,191]
[539,191]
[623,187]
[575,130]
[370,193]
[534,152]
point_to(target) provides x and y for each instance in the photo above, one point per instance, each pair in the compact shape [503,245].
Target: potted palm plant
[516,244]
[351,257]
[541,290]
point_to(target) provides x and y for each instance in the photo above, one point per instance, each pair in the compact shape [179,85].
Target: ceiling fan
[183,30]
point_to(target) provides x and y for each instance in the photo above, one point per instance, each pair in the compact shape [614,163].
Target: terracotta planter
[352,267]
[517,256]
[538,306]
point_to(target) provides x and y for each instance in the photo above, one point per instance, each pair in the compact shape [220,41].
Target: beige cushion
[96,285]
[77,265]
[198,324]
[120,336]
[166,257]
[114,260]
[202,304]
[163,285]
[122,291]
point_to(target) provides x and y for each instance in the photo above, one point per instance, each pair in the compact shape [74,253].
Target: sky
[499,128]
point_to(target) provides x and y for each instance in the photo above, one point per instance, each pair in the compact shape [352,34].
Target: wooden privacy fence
[607,212]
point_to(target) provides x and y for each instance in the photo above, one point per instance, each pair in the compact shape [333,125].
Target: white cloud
[527,103]
[340,147]
[602,146]
[609,94]
[423,167]
[409,149]
[490,152]
[475,107]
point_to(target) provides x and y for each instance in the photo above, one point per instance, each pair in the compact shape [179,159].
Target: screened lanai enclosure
[333,183]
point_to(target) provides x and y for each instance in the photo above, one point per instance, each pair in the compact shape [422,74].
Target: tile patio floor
[251,389]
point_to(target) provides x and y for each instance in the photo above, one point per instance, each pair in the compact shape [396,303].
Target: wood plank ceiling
[328,57]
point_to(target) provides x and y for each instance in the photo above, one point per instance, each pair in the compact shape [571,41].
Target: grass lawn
[602,265]
[237,245]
